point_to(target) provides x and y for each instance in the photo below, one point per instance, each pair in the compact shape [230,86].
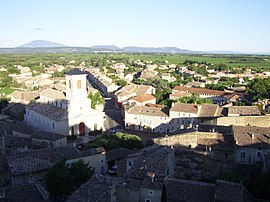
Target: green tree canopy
[194,100]
[117,140]
[260,87]
[120,82]
[96,99]
[62,178]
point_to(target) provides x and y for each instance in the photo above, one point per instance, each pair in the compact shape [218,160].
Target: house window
[69,83]
[79,84]
[151,193]
[242,154]
[53,125]
[147,200]
[101,161]
[258,154]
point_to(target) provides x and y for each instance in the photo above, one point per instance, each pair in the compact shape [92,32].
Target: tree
[62,178]
[259,87]
[96,99]
[121,82]
[117,140]
[261,186]
[194,100]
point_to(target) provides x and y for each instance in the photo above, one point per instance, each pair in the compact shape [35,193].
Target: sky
[199,25]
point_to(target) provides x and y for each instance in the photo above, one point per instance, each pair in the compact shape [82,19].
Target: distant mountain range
[43,46]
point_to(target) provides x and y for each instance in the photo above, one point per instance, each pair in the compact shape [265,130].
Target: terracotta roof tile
[199,90]
[243,110]
[252,136]
[209,110]
[117,154]
[149,111]
[187,108]
[143,98]
[48,110]
[51,93]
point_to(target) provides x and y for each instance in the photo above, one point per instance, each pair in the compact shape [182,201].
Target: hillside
[41,44]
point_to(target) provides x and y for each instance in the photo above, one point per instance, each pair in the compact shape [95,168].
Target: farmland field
[31,60]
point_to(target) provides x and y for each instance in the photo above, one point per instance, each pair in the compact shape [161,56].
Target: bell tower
[76,85]
[76,92]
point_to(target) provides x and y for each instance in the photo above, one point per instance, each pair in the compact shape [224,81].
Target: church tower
[76,85]
[76,91]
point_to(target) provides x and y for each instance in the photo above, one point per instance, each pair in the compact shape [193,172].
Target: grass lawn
[7,90]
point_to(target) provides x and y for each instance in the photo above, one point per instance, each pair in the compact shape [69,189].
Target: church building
[68,113]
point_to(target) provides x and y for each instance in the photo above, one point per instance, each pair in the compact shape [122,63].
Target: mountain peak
[41,44]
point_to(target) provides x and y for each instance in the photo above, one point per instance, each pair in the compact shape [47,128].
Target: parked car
[113,170]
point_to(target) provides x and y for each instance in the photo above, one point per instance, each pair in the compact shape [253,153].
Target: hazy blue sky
[239,25]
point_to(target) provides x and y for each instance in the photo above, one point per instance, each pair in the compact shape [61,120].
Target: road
[114,118]
[114,115]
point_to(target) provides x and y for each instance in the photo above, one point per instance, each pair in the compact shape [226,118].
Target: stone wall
[184,140]
[261,121]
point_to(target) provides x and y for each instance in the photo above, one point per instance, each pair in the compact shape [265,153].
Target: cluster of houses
[219,131]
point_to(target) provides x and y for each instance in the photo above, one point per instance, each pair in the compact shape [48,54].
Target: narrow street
[114,115]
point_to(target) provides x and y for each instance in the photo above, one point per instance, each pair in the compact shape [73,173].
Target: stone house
[142,100]
[133,90]
[144,118]
[23,97]
[185,116]
[242,111]
[37,82]
[26,169]
[194,191]
[29,165]
[168,77]
[46,139]
[215,95]
[104,83]
[143,179]
[252,143]
[16,131]
[145,171]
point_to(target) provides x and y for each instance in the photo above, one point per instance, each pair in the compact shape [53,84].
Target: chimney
[253,136]
[152,175]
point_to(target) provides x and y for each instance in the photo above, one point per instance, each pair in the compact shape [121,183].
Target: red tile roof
[199,90]
[143,98]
